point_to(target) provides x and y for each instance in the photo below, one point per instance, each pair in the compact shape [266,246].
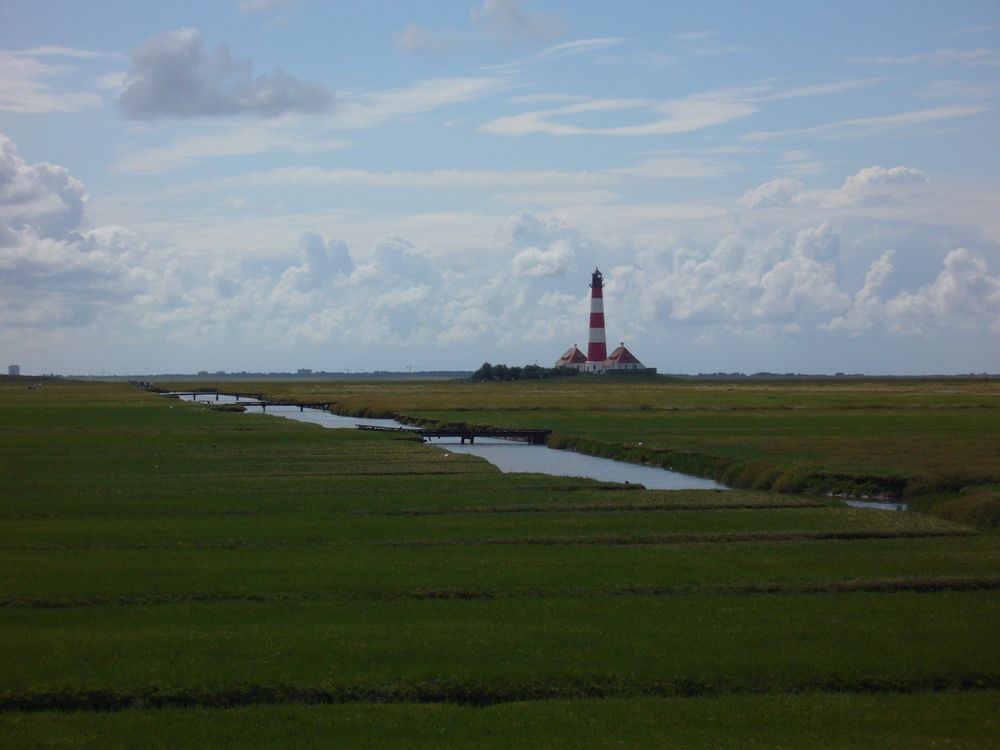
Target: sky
[268,185]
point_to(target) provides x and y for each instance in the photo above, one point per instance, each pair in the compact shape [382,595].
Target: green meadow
[177,576]
[931,442]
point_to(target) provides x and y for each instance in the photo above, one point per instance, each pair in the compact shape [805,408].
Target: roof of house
[622,356]
[573,356]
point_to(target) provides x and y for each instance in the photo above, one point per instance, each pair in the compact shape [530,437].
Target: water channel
[510,456]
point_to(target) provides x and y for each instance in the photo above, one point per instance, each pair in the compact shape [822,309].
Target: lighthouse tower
[597,361]
[597,348]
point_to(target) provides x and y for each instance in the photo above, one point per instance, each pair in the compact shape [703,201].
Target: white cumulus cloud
[867,308]
[549,261]
[781,192]
[877,177]
[964,295]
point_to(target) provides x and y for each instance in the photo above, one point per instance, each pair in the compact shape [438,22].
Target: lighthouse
[597,361]
[597,348]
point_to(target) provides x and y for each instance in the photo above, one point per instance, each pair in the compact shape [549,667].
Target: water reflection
[511,456]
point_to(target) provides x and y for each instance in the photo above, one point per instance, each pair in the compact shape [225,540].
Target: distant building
[596,360]
[14,370]
[622,359]
[573,359]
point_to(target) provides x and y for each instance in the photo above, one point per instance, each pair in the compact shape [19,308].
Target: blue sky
[269,185]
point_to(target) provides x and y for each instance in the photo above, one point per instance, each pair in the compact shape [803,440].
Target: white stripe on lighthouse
[597,335]
[596,304]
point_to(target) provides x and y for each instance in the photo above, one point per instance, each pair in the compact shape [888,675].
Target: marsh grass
[945,719]
[918,439]
[160,555]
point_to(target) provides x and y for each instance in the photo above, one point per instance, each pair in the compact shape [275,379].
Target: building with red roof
[573,359]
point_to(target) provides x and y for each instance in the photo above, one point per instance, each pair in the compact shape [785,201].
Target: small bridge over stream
[535,437]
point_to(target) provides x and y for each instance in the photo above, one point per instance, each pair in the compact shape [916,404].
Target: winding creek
[511,456]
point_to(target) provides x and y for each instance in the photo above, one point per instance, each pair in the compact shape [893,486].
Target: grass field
[175,576]
[931,442]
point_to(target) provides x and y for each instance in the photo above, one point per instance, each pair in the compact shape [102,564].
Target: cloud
[172,76]
[111,81]
[963,296]
[525,229]
[358,110]
[799,285]
[23,90]
[292,134]
[550,198]
[51,273]
[494,21]
[260,138]
[820,243]
[705,44]
[872,185]
[668,117]
[580,46]
[41,199]
[879,177]
[72,52]
[665,117]
[415,39]
[867,308]
[266,6]
[395,259]
[822,89]
[977,56]
[746,280]
[453,286]
[319,264]
[508,21]
[550,261]
[781,192]
[877,185]
[961,90]
[865,126]
[478,179]
[671,167]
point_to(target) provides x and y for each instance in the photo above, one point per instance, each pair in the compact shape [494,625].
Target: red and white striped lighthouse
[597,348]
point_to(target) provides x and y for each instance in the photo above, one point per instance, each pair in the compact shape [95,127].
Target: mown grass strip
[597,508]
[725,537]
[667,539]
[110,573]
[464,693]
[886,586]
[958,720]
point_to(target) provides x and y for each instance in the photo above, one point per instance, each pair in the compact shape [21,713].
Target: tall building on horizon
[597,347]
[597,360]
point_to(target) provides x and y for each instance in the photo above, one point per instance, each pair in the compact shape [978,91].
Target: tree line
[527,372]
